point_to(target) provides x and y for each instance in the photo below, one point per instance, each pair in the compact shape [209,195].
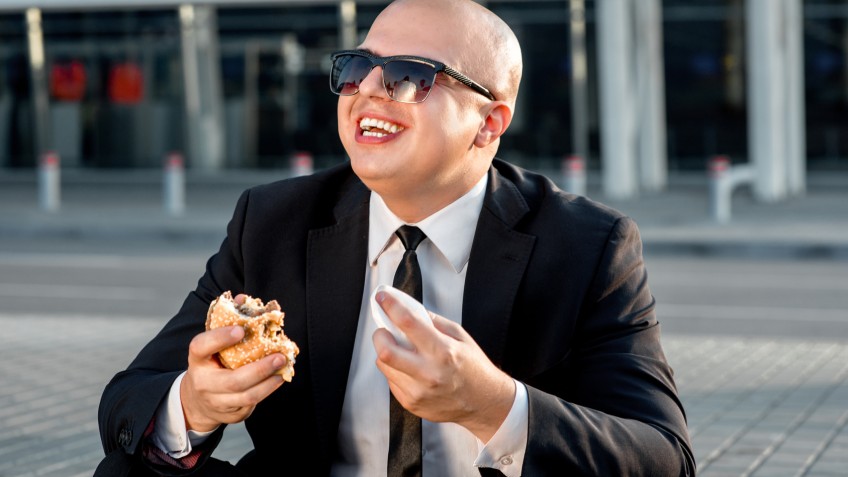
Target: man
[557,367]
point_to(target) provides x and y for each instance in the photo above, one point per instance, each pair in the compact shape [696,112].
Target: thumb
[206,344]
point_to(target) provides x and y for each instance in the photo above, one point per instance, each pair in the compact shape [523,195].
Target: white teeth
[368,123]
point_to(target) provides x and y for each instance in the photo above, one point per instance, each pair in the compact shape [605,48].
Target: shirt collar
[451,229]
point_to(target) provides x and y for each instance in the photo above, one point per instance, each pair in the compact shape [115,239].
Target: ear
[496,118]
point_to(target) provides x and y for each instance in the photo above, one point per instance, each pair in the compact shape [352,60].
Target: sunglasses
[406,79]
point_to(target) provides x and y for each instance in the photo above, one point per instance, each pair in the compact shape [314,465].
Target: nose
[372,85]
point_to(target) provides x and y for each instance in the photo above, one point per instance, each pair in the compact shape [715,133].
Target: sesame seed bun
[263,332]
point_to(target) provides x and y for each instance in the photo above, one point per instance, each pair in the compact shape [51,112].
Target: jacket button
[125,437]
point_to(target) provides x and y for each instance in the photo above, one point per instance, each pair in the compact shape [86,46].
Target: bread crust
[263,332]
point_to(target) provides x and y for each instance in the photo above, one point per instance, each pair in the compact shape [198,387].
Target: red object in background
[126,83]
[718,166]
[67,80]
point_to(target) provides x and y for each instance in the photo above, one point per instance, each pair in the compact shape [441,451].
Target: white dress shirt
[447,448]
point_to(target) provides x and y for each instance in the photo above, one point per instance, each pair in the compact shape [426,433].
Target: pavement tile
[754,415]
[769,404]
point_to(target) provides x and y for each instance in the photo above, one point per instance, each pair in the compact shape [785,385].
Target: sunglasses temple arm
[468,82]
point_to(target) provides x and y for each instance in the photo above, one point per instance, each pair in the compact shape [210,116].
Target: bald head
[465,35]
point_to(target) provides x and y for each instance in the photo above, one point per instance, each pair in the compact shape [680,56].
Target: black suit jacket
[556,295]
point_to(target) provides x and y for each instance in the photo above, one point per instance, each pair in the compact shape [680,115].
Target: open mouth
[372,127]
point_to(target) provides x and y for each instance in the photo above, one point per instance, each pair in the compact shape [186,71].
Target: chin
[368,168]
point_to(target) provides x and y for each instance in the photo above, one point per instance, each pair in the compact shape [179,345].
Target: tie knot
[410,236]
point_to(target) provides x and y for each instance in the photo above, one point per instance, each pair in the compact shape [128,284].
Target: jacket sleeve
[130,400]
[611,406]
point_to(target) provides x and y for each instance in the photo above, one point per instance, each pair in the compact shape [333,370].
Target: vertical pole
[202,79]
[301,164]
[734,78]
[293,57]
[49,182]
[579,76]
[617,139]
[174,184]
[574,175]
[251,103]
[653,161]
[718,170]
[766,114]
[845,62]
[796,143]
[146,125]
[348,36]
[38,83]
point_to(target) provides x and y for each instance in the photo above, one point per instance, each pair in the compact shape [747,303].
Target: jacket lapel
[499,257]
[336,259]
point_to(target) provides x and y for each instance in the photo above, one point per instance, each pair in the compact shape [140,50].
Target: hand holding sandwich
[211,394]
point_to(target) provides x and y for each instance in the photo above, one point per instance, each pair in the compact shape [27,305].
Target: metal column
[650,96]
[348,35]
[202,79]
[579,74]
[618,139]
[765,111]
[796,142]
[38,83]
[632,97]
[775,97]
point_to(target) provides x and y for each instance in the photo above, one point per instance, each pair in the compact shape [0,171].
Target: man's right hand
[212,395]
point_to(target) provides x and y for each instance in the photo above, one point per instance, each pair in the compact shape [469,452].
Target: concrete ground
[756,406]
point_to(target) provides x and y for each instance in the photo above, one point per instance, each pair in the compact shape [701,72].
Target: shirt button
[506,460]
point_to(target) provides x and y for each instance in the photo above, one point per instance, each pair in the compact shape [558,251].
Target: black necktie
[405,427]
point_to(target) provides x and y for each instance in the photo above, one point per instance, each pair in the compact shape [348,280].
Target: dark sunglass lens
[348,72]
[408,81]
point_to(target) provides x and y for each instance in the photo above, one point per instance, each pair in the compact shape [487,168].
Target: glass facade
[115,83]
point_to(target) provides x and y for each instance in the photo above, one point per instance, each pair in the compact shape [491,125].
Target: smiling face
[418,157]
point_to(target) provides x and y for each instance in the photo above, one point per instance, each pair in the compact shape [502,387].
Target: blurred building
[115,82]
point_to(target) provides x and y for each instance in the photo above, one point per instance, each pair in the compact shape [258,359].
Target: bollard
[49,182]
[723,179]
[718,170]
[301,164]
[174,184]
[574,174]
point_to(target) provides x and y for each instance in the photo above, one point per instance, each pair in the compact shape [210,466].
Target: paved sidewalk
[758,407]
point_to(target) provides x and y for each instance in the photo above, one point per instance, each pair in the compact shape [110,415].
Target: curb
[756,250]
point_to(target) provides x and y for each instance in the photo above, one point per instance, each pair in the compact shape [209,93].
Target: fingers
[390,352]
[419,332]
[249,385]
[450,328]
[211,394]
[428,340]
[250,375]
[206,344]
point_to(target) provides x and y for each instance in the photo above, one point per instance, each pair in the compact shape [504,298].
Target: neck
[413,209]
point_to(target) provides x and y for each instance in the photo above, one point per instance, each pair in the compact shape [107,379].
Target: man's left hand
[447,377]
